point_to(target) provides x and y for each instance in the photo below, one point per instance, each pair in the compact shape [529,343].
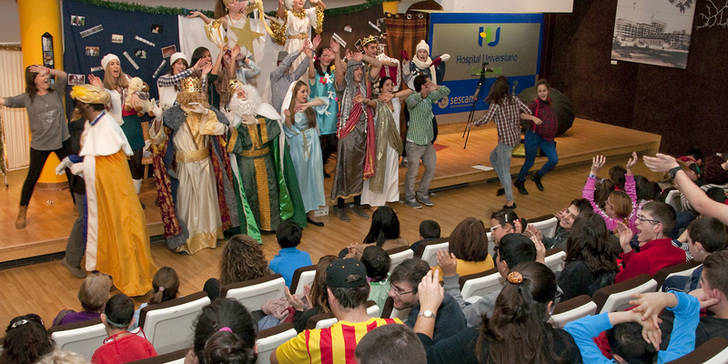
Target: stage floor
[51,213]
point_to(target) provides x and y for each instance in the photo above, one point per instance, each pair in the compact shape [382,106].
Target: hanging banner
[509,44]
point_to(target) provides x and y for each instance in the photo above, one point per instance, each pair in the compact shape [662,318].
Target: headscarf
[89,94]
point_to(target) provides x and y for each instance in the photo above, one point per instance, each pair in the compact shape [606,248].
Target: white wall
[9,23]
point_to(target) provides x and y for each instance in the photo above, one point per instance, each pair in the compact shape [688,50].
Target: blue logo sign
[486,33]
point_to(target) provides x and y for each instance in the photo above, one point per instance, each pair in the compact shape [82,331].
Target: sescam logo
[487,35]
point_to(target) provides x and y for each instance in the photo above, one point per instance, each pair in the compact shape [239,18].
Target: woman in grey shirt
[48,127]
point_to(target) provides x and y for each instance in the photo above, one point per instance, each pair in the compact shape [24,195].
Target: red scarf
[349,125]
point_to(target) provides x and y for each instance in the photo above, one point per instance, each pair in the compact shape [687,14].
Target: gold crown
[368,40]
[191,84]
[234,84]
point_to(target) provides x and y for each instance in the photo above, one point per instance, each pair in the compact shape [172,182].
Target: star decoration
[245,36]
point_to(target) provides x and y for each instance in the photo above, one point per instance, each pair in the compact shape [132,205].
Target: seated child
[121,346]
[289,258]
[377,261]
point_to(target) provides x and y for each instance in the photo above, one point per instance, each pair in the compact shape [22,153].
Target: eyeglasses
[642,218]
[400,292]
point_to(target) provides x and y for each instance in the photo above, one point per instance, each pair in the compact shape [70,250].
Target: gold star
[245,35]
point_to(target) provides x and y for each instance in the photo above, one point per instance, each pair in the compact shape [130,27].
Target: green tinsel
[132,7]
[345,9]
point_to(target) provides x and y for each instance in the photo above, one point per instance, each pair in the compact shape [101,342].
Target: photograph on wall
[92,51]
[76,79]
[655,32]
[168,51]
[140,53]
[78,21]
[117,38]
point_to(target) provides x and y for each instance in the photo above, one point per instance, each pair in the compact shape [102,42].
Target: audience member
[347,291]
[242,260]
[316,299]
[390,344]
[503,222]
[566,220]
[377,263]
[628,330]
[384,230]
[591,257]
[404,280]
[656,251]
[705,235]
[469,244]
[26,340]
[289,258]
[121,346]
[518,332]
[618,175]
[165,285]
[621,205]
[224,333]
[93,294]
[429,231]
[511,250]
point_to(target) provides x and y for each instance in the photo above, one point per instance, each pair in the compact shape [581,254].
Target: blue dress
[306,155]
[324,86]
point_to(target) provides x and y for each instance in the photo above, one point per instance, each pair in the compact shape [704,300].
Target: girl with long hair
[168,85]
[26,340]
[165,286]
[591,257]
[224,333]
[302,136]
[48,126]
[517,332]
[384,230]
[620,206]
[323,82]
[507,110]
[242,260]
[540,136]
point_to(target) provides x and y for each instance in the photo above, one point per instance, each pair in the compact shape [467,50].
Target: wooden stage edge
[578,146]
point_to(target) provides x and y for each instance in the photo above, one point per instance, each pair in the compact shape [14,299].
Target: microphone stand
[470,122]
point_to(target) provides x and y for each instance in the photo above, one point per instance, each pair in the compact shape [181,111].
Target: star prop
[245,35]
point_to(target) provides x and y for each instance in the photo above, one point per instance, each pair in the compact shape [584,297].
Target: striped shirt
[419,129]
[507,117]
[335,344]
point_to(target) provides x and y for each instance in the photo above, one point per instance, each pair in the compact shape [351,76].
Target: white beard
[241,107]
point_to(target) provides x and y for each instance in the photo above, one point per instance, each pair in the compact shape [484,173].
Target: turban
[90,94]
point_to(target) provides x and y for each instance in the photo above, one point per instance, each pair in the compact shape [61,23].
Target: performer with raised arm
[296,29]
[117,243]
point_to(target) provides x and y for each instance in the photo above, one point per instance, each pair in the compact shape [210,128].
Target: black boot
[537,180]
[501,192]
[521,188]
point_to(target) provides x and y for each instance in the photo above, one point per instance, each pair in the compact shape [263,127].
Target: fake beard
[241,107]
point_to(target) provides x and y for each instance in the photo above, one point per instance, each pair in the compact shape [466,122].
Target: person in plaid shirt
[507,111]
[540,136]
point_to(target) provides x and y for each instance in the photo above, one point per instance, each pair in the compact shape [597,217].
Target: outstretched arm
[697,197]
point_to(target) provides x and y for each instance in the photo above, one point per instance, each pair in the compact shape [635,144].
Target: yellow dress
[465,268]
[117,241]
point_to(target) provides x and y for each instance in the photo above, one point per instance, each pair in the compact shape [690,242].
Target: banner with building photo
[655,32]
[510,43]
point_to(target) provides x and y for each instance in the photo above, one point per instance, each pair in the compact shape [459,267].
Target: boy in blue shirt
[289,258]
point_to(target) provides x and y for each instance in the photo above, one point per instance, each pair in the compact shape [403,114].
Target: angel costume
[117,243]
[383,187]
[298,30]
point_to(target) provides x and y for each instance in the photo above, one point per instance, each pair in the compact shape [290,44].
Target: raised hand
[540,249]
[430,292]
[195,14]
[597,163]
[316,41]
[625,235]
[335,46]
[95,81]
[386,97]
[660,162]
[294,301]
[447,262]
[39,69]
[631,162]
[358,99]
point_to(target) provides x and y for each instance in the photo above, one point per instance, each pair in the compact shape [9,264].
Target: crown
[368,40]
[191,84]
[234,84]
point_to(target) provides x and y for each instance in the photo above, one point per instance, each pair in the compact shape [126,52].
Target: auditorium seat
[713,351]
[429,252]
[268,340]
[546,224]
[616,297]
[301,277]
[481,284]
[398,255]
[175,357]
[673,199]
[421,247]
[170,325]
[572,309]
[81,337]
[555,259]
[254,293]
[684,269]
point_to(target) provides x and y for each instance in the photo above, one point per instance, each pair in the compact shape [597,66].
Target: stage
[51,213]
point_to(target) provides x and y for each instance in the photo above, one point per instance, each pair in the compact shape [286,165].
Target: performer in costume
[116,83]
[383,187]
[324,82]
[296,29]
[355,154]
[254,143]
[117,243]
[194,181]
[168,85]
[302,136]
[48,128]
